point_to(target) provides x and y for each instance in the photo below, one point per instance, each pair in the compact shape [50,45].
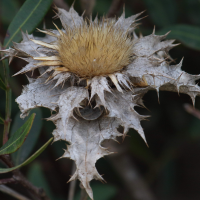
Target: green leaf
[101,7]
[101,192]
[26,149]
[8,9]
[139,149]
[1,120]
[193,132]
[2,84]
[30,159]
[186,34]
[162,12]
[191,10]
[37,177]
[27,19]
[17,139]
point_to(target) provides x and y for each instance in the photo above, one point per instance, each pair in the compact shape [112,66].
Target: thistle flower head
[93,74]
[95,49]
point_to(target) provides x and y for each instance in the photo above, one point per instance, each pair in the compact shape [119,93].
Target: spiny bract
[93,74]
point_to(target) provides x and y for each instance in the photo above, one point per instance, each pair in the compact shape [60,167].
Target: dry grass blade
[12,193]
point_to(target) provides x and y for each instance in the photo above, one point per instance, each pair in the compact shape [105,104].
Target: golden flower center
[95,49]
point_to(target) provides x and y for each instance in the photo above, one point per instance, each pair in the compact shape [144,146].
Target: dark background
[170,168]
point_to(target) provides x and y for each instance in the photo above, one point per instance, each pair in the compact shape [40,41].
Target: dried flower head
[93,74]
[94,50]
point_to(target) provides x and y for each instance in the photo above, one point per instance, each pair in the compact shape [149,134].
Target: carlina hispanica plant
[92,74]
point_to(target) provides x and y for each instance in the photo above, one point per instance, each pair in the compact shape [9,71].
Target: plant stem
[84,195]
[39,192]
[115,7]
[8,104]
[87,7]
[61,4]
[19,178]
[72,184]
[12,193]
[193,111]
[7,180]
[130,177]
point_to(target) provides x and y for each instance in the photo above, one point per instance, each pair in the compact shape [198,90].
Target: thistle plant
[93,73]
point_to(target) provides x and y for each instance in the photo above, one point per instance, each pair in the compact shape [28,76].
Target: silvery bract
[93,74]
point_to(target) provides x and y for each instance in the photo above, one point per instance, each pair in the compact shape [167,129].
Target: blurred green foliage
[28,17]
[30,159]
[101,192]
[170,166]
[2,84]
[8,10]
[163,13]
[26,149]
[16,140]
